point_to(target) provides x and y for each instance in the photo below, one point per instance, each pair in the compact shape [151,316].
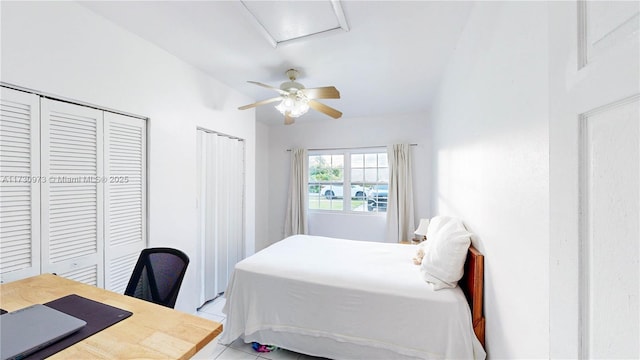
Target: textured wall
[490,131]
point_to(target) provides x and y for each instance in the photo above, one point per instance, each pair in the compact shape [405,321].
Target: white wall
[346,133]
[490,131]
[64,49]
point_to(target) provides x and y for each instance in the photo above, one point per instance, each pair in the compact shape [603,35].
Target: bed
[346,299]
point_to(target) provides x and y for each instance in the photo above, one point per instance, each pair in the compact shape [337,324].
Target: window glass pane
[357,176]
[325,159]
[321,169]
[383,175]
[314,198]
[383,161]
[357,160]
[314,160]
[359,204]
[337,205]
[337,161]
[371,160]
[321,202]
[371,175]
[329,192]
[314,163]
[314,188]
[377,198]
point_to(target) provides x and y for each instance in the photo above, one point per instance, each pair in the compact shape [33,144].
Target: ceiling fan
[295,99]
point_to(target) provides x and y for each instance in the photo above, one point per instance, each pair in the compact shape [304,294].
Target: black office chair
[158,275]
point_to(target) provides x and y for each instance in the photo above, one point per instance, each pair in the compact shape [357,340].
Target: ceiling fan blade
[288,120]
[269,87]
[326,92]
[325,109]
[267,101]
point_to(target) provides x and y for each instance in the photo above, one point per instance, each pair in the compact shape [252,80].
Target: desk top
[152,332]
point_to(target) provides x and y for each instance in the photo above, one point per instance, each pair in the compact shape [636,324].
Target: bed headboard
[472,284]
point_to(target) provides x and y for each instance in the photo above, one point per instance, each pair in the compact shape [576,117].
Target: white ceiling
[390,61]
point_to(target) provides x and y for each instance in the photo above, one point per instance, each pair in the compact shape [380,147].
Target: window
[351,181]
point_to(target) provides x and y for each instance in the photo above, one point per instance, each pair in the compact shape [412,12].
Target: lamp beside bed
[421,231]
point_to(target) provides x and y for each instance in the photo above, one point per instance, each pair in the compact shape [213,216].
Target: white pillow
[437,223]
[445,253]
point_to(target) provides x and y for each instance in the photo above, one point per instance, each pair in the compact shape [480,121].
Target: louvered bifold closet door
[72,199]
[125,197]
[19,185]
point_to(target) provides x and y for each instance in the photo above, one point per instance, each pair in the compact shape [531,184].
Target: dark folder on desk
[98,316]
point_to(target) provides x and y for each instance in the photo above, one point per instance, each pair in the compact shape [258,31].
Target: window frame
[346,178]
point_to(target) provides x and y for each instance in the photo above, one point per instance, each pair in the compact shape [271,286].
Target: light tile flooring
[238,350]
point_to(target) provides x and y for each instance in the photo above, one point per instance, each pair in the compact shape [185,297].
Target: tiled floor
[238,350]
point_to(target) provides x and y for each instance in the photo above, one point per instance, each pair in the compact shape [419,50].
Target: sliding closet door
[221,170]
[19,185]
[229,232]
[70,177]
[72,199]
[125,197]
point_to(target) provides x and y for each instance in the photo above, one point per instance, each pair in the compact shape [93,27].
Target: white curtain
[296,216]
[220,209]
[400,225]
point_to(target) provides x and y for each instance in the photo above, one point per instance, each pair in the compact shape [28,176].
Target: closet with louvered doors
[125,200]
[19,185]
[72,196]
[90,190]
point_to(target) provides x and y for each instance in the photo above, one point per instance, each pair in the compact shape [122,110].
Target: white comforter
[346,299]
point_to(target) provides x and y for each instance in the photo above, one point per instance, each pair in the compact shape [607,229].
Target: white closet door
[235,202]
[221,216]
[19,185]
[72,199]
[125,197]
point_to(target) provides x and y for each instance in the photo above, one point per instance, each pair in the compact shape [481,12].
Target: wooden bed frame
[472,284]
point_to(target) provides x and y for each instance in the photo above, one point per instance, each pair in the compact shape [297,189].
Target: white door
[62,166]
[19,185]
[124,197]
[72,198]
[220,209]
[594,179]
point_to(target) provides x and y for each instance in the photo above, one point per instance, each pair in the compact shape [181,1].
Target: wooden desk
[152,332]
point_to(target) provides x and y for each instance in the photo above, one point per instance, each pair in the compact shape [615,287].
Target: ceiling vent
[287,21]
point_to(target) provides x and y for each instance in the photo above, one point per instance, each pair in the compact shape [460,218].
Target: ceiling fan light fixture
[293,105]
[295,100]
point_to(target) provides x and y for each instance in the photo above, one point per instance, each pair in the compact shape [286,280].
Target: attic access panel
[284,21]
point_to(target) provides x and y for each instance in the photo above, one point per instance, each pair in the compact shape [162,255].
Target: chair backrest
[158,275]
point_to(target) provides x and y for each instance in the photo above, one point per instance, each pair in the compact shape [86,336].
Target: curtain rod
[218,133]
[350,148]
